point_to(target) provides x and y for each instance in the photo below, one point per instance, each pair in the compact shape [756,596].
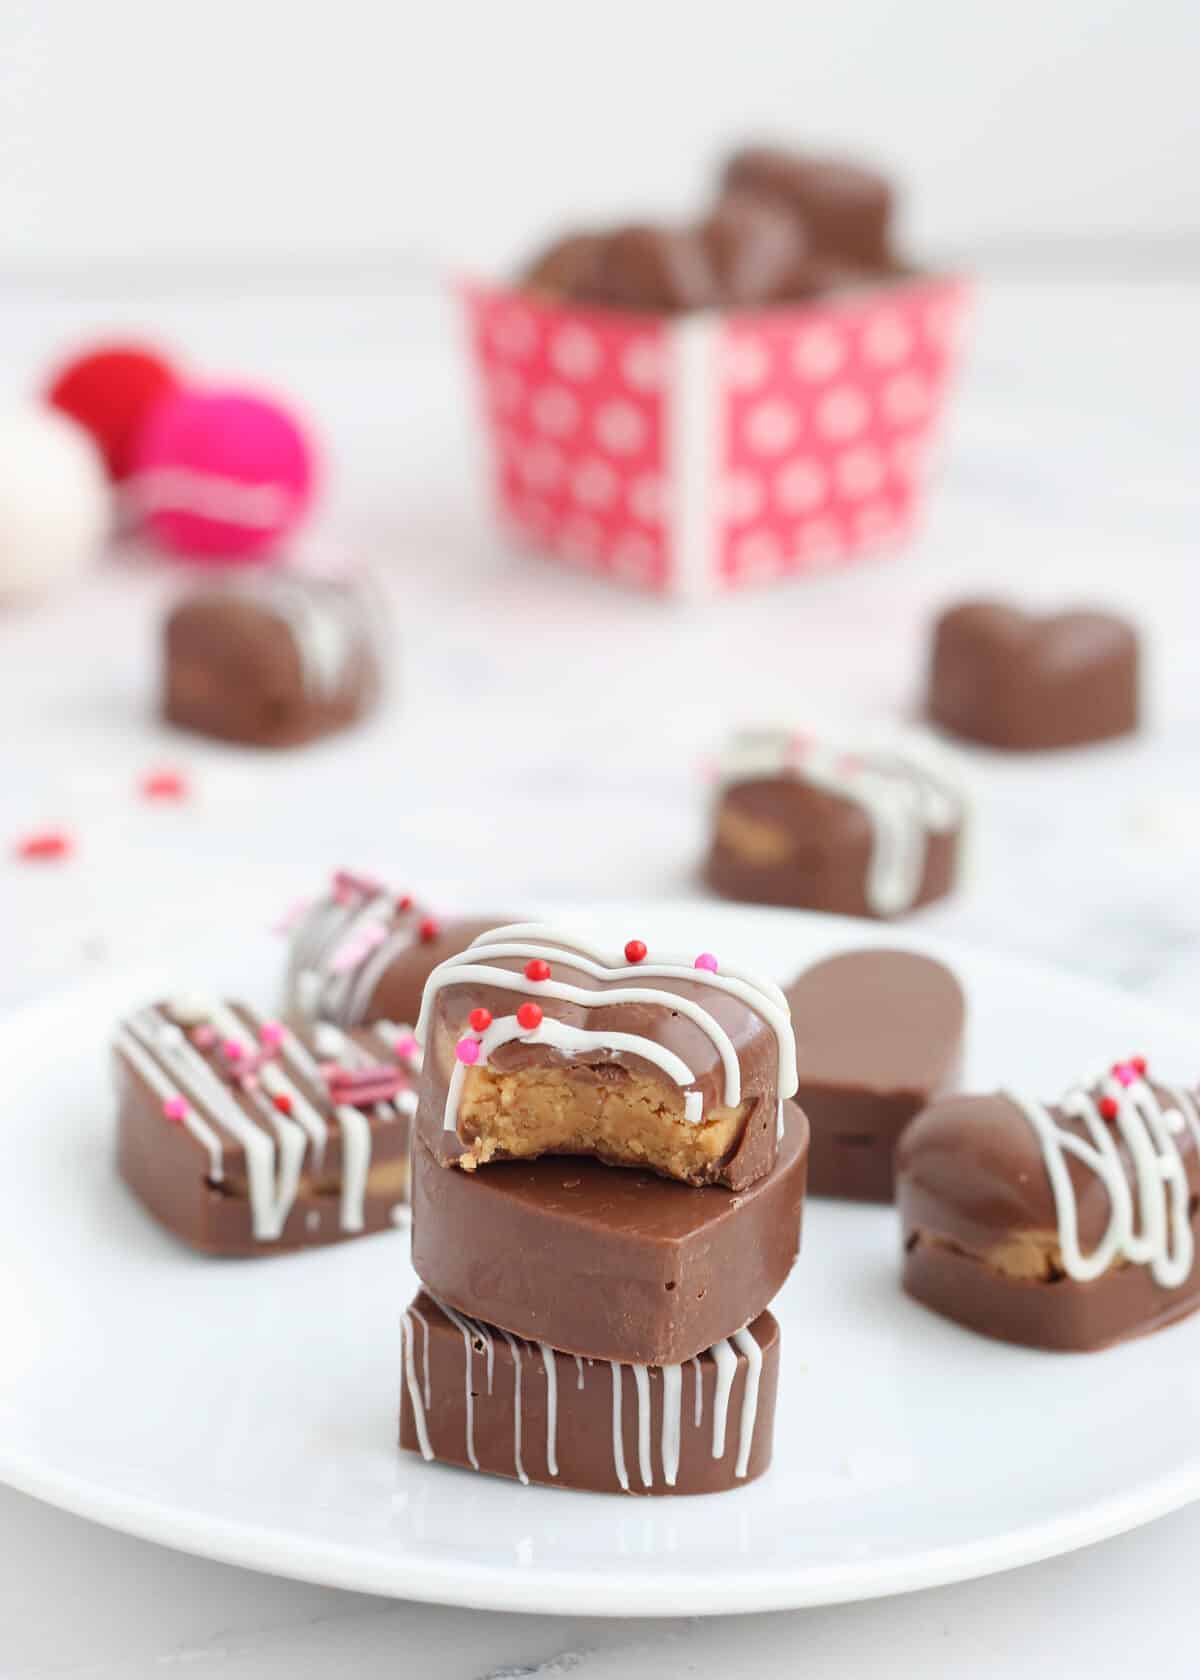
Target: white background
[268,187]
[134,132]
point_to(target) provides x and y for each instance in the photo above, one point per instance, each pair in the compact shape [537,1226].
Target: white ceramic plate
[247,1410]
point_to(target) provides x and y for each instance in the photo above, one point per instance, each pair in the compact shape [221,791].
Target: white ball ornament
[55,502]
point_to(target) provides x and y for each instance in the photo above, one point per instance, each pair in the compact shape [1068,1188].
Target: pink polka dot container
[692,454]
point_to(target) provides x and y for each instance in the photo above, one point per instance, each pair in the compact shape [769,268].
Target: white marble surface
[544,739]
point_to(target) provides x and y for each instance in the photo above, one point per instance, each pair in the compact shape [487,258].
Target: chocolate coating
[275,662]
[564,266]
[878,1036]
[844,207]
[362,952]
[607,1263]
[980,1228]
[754,1041]
[573,1443]
[780,839]
[1014,680]
[651,268]
[169,1168]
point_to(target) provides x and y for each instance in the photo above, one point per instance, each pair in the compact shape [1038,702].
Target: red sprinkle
[1138,1064]
[480,1019]
[404,903]
[428,930]
[1109,1108]
[529,1016]
[635,951]
[537,969]
[45,845]
[165,784]
[283,1102]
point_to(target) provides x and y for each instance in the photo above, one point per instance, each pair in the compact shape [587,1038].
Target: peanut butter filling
[632,1120]
[759,843]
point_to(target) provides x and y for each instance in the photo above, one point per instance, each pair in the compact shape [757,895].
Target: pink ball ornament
[222,476]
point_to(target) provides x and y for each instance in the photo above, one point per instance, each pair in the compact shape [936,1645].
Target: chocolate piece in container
[878,1037]
[801,822]
[1024,682]
[244,1136]
[564,266]
[759,253]
[1069,1225]
[275,660]
[844,207]
[537,1044]
[652,268]
[362,952]
[475,1397]
[609,1263]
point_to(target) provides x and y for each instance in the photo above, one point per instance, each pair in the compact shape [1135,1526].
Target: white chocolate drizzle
[419,1408]
[904,799]
[1149,1222]
[341,946]
[478,1338]
[277,1146]
[531,940]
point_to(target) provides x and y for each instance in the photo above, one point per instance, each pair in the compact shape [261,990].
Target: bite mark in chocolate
[669,1063]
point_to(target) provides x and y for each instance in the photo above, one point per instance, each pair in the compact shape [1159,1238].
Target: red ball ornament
[1109,1108]
[480,1019]
[529,1016]
[537,969]
[283,1102]
[1138,1064]
[404,903]
[428,931]
[109,391]
[635,951]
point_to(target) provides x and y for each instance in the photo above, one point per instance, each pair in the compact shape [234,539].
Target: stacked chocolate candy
[607,1183]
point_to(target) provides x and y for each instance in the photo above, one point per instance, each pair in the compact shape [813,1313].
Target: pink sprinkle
[407,1047]
[467,1051]
[1125,1075]
[707,961]
[328,1070]
[175,1109]
[232,1050]
[271,1036]
[204,1036]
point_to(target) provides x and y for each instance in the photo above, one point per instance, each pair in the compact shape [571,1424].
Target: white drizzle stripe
[641,1381]
[745,1343]
[290,1136]
[312,985]
[165,1087]
[726,1362]
[903,799]
[172,1045]
[698,1394]
[618,1444]
[550,1361]
[424,1322]
[672,1402]
[579,1368]
[1148,1221]
[466,1330]
[414,1393]
[572,1041]
[518,1387]
[763,997]
[372,970]
[356,1136]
